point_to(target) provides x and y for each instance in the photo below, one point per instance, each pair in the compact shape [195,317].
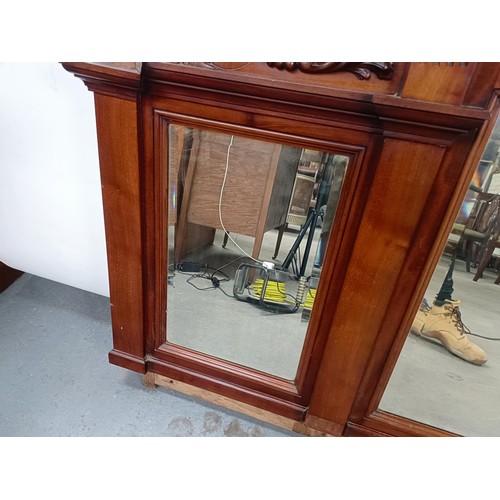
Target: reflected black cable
[426,307]
[228,264]
[467,330]
[201,276]
[213,279]
[483,337]
[215,271]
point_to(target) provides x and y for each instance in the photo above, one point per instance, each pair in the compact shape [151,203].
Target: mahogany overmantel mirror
[272,228]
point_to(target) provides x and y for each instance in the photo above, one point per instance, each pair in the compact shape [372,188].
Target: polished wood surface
[413,139]
[118,157]
[378,281]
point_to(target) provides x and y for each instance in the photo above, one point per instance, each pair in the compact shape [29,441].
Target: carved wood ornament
[363,70]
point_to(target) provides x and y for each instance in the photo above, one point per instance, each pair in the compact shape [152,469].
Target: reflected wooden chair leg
[484,258]
[226,237]
[469,255]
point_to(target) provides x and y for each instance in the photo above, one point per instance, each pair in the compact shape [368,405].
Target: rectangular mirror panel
[249,222]
[448,374]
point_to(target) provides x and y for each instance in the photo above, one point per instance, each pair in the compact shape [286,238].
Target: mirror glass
[448,374]
[249,222]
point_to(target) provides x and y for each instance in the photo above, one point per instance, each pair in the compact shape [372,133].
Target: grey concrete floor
[431,385]
[57,381]
[212,321]
[54,342]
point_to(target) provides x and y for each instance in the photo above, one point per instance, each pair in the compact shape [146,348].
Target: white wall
[51,218]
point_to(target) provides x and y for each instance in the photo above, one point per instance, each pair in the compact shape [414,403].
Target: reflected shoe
[443,324]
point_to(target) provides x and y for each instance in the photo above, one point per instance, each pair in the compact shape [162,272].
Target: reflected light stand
[266,284]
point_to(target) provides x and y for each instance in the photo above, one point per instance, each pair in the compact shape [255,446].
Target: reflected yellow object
[275,290]
[311,295]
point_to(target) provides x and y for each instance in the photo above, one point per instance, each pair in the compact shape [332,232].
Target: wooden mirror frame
[414,133]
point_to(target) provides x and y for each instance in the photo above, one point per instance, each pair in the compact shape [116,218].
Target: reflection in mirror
[448,374]
[249,222]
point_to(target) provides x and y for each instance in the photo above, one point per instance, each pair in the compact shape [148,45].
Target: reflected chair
[477,240]
[492,242]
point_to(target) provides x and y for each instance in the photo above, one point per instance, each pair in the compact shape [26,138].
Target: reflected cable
[220,202]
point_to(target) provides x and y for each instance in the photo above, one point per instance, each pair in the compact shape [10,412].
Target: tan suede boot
[443,324]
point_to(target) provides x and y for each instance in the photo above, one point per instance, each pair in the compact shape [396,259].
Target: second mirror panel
[448,374]
[249,222]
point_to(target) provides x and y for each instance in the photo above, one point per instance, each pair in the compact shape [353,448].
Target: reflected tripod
[310,224]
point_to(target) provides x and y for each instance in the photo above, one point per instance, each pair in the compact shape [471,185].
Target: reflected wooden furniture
[482,224]
[488,225]
[253,196]
[486,257]
[302,198]
[300,202]
[304,193]
[413,133]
